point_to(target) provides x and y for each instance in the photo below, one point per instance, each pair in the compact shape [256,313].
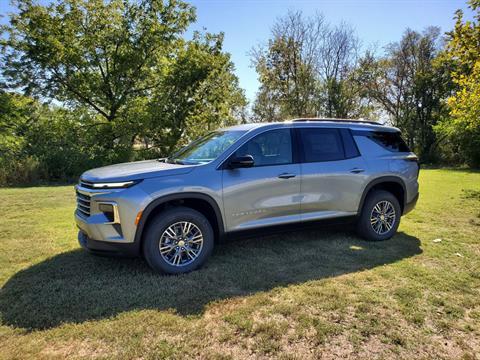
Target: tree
[307,69]
[462,130]
[198,93]
[117,58]
[41,142]
[97,53]
[286,68]
[336,63]
[17,114]
[14,119]
[409,87]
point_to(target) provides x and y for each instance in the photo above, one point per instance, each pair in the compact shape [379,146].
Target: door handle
[286,175]
[356,170]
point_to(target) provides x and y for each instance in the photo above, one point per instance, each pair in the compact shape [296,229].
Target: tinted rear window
[389,140]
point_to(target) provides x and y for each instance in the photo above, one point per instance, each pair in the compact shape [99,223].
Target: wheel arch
[392,184]
[197,201]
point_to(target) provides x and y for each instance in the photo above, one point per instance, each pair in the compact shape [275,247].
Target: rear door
[333,172]
[267,193]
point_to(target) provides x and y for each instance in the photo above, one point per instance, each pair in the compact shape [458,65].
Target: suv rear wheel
[178,240]
[380,216]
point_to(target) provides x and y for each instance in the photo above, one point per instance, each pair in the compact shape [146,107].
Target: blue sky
[247,23]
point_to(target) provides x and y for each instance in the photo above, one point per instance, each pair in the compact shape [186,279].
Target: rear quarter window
[351,149]
[391,141]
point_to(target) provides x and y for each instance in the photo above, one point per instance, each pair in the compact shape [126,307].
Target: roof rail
[338,120]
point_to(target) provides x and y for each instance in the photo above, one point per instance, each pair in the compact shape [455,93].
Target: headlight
[115,185]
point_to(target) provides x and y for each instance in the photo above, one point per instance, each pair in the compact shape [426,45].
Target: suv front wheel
[380,216]
[178,240]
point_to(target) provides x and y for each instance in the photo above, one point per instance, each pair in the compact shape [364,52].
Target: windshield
[206,149]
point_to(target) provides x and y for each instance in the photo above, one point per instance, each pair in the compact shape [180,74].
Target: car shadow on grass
[76,286]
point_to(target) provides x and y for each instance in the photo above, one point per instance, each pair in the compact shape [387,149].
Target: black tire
[151,246]
[364,226]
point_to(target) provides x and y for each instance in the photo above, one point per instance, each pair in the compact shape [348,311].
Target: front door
[267,193]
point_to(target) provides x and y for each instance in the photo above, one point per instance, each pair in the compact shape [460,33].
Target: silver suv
[248,177]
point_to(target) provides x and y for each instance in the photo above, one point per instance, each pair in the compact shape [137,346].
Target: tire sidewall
[151,250]
[365,228]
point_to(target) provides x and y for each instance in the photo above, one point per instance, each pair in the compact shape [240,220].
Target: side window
[392,141]
[273,147]
[321,145]
[351,149]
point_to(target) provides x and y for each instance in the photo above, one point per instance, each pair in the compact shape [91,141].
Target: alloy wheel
[181,243]
[382,217]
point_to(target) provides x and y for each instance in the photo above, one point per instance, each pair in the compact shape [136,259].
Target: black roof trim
[338,120]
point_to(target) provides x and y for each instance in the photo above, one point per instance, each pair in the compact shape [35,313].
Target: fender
[378,181]
[186,195]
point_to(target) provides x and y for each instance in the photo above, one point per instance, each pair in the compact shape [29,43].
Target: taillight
[414,158]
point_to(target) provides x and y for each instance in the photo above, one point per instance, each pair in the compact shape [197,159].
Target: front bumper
[97,227]
[106,248]
[119,226]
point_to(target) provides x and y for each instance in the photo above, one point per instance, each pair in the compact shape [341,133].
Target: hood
[135,171]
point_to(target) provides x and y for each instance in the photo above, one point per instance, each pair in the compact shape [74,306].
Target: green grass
[310,294]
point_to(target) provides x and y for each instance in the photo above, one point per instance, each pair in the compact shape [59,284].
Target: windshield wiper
[173,161]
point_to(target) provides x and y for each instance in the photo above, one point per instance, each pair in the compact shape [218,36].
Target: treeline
[427,84]
[86,83]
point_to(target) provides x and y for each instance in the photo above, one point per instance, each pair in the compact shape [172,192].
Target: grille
[83,204]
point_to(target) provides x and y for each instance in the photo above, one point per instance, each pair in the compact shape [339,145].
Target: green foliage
[125,82]
[97,53]
[198,93]
[287,79]
[408,85]
[45,143]
[17,113]
[462,129]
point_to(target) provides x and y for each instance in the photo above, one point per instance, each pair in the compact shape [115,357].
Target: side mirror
[245,161]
